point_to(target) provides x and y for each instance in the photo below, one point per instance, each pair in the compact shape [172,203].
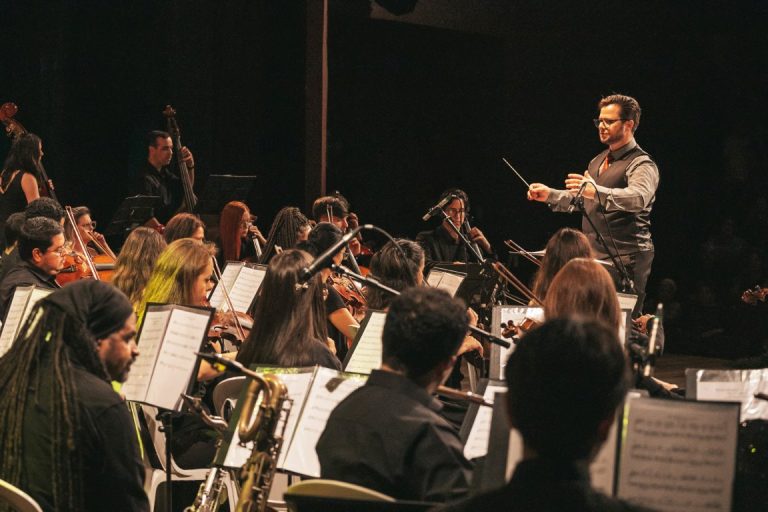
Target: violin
[15,129]
[754,295]
[81,265]
[190,200]
[350,293]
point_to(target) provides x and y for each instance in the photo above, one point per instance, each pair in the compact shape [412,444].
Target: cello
[190,200]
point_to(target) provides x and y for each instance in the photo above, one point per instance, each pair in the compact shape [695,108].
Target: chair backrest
[17,499]
[335,489]
[228,389]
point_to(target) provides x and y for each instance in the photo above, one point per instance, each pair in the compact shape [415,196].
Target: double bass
[190,200]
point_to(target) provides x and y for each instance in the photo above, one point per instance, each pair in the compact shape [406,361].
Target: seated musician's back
[388,435]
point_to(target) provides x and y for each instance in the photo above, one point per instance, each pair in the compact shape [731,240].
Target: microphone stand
[340,269]
[627,285]
[473,248]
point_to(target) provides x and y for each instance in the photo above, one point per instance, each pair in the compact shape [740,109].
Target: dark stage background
[415,107]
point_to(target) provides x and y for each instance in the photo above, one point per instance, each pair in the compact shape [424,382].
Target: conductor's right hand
[538,192]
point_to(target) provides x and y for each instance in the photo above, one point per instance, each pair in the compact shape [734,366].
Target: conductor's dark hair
[154,135]
[44,207]
[424,327]
[12,227]
[37,233]
[565,378]
[396,267]
[630,108]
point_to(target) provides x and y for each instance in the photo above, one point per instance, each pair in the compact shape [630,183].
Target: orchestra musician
[565,245]
[443,243]
[288,229]
[11,252]
[388,435]
[68,439]
[156,177]
[289,322]
[619,188]
[184,225]
[136,261]
[341,324]
[41,250]
[572,369]
[95,242]
[21,178]
[237,233]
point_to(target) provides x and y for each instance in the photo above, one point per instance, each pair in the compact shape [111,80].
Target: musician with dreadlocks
[289,228]
[66,437]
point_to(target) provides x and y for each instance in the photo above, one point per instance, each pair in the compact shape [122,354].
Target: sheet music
[517,314]
[228,277]
[448,281]
[366,353]
[183,337]
[13,317]
[678,456]
[149,342]
[245,288]
[301,456]
[297,384]
[24,298]
[735,386]
[603,467]
[477,442]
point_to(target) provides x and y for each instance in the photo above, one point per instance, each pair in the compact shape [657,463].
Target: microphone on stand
[575,199]
[439,206]
[324,260]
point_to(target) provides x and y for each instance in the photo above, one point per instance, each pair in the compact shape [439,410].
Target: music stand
[223,188]
[134,211]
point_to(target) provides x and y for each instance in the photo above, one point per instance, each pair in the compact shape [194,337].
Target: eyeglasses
[607,122]
[61,251]
[454,211]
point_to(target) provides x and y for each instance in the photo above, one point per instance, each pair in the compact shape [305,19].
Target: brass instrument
[208,498]
[257,473]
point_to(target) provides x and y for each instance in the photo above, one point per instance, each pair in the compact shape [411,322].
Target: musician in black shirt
[388,435]
[156,177]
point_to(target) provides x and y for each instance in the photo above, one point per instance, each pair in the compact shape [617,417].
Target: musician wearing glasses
[622,180]
[41,249]
[443,243]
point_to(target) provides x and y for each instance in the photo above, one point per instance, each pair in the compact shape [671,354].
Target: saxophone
[209,494]
[257,473]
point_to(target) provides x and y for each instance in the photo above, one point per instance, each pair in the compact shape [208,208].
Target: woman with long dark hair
[289,327]
[289,228]
[21,177]
[396,266]
[562,247]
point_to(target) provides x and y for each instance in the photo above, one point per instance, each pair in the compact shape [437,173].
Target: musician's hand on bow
[478,237]
[538,192]
[573,183]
